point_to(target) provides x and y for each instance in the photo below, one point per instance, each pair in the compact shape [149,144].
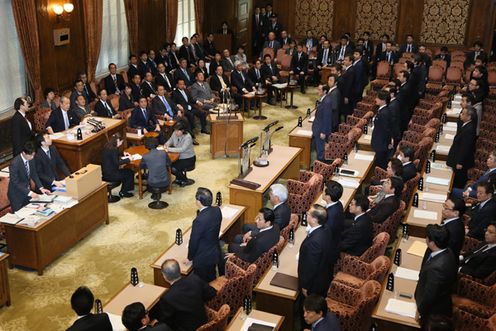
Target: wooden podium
[226,135]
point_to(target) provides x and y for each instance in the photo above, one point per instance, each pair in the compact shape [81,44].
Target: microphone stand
[227,124]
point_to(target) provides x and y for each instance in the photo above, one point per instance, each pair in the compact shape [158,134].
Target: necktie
[26,164]
[167,106]
[389,57]
[66,120]
[409,48]
[224,86]
[114,78]
[271,71]
[242,77]
[166,79]
[341,54]
[258,74]
[145,115]
[429,258]
[48,154]
[109,111]
[186,74]
[271,44]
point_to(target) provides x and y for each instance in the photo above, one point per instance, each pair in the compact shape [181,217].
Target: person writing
[181,142]
[111,166]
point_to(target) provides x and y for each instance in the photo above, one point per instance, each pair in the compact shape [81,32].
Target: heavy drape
[132,24]
[93,13]
[199,12]
[171,20]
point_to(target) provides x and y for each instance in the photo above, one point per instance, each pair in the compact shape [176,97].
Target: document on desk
[305,133]
[437,180]
[228,212]
[367,137]
[417,248]
[449,136]
[449,129]
[433,197]
[364,157]
[25,212]
[400,307]
[57,135]
[311,119]
[116,322]
[10,219]
[280,86]
[406,273]
[425,214]
[263,324]
[443,149]
[451,125]
[350,183]
[44,198]
[440,166]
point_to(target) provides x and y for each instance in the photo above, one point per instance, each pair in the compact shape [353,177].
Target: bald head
[171,270]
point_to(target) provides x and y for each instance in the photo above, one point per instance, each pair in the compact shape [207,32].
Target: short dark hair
[383,95]
[78,81]
[131,56]
[438,234]
[82,301]
[397,184]
[179,79]
[362,202]
[29,148]
[315,303]
[488,187]
[459,205]
[408,152]
[151,142]
[204,195]
[320,213]
[268,214]
[397,166]
[40,137]
[18,103]
[334,189]
[350,57]
[333,76]
[405,74]
[478,43]
[267,56]
[47,91]
[132,316]
[100,91]
[111,64]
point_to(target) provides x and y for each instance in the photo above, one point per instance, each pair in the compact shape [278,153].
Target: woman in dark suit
[111,162]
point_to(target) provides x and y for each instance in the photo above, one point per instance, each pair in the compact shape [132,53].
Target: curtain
[27,31]
[171,23]
[132,24]
[199,12]
[93,12]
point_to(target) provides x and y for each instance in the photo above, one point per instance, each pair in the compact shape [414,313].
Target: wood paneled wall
[151,19]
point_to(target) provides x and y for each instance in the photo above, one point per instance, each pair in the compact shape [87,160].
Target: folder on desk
[400,307]
[285,281]
[417,248]
[437,180]
[260,327]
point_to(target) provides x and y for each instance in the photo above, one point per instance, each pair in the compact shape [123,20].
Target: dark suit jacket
[226,65]
[445,57]
[147,89]
[479,264]
[56,120]
[215,84]
[483,178]
[314,42]
[480,219]
[110,164]
[174,59]
[471,57]
[267,72]
[157,162]
[409,171]
[335,97]
[383,56]
[138,120]
[48,169]
[136,92]
[384,209]
[404,46]
[126,102]
[435,285]
[237,81]
[463,147]
[188,79]
[361,78]
[110,86]
[212,66]
[19,182]
[178,98]
[368,50]
[382,134]
[282,215]
[143,68]
[395,111]
[92,322]
[253,76]
[204,249]
[160,80]
[299,65]
[329,323]
[102,111]
[347,81]
[182,306]
[320,57]
[456,230]
[323,122]
[158,107]
[357,238]
[275,46]
[209,48]
[335,220]
[186,53]
[316,262]
[260,243]
[132,71]
[21,132]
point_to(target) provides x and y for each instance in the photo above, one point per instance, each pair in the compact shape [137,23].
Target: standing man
[322,125]
[382,138]
[21,127]
[347,86]
[453,210]
[49,163]
[204,250]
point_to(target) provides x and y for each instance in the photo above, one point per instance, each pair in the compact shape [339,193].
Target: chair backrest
[293,223]
[378,247]
[491,77]
[435,73]
[217,320]
[441,63]
[285,60]
[457,64]
[383,70]
[380,268]
[268,50]
[454,75]
[41,116]
[397,68]
[4,200]
[280,53]
[326,170]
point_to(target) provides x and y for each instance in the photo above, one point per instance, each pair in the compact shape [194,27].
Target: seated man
[483,212]
[103,107]
[220,83]
[240,80]
[270,74]
[202,94]
[157,163]
[255,74]
[453,210]
[181,142]
[392,187]
[162,106]
[184,99]
[114,82]
[184,73]
[182,307]
[142,118]
[22,171]
[471,190]
[406,156]
[63,118]
[81,108]
[148,88]
[49,163]
[267,236]
[78,90]
[135,318]
[357,237]
[481,262]
[82,302]
[394,168]
[318,316]
[299,66]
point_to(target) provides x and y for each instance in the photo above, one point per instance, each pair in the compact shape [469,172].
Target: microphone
[249,142]
[279,128]
[270,125]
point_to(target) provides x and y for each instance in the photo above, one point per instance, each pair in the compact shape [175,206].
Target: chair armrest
[337,291]
[355,267]
[472,290]
[305,175]
[296,187]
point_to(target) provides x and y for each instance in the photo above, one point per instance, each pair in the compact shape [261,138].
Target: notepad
[449,128]
[24,212]
[43,198]
[116,322]
[406,273]
[364,157]
[451,124]
[433,197]
[437,180]
[367,137]
[57,135]
[417,248]
[228,212]
[443,149]
[10,219]
[348,172]
[439,166]
[350,183]
[256,324]
[303,132]
[449,136]
[400,307]
[425,214]
[285,281]
[280,86]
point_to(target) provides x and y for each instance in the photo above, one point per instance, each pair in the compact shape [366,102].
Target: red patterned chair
[217,320]
[353,307]
[465,321]
[470,244]
[391,224]
[41,116]
[303,192]
[409,188]
[293,224]
[326,170]
[432,123]
[489,280]
[435,79]
[339,144]
[378,248]
[383,73]
[232,288]
[352,122]
[356,272]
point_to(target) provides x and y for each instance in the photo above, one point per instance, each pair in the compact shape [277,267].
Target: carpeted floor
[135,236]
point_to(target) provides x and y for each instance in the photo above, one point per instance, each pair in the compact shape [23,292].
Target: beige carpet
[135,236]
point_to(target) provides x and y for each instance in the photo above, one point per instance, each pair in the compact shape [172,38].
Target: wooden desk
[228,229]
[36,247]
[79,153]
[391,321]
[365,140]
[237,323]
[4,281]
[302,137]
[147,294]
[445,141]
[134,138]
[135,165]
[324,74]
[225,135]
[284,163]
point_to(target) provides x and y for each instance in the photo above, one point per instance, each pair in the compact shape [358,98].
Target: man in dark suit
[392,187]
[63,118]
[471,190]
[335,214]
[209,47]
[114,82]
[461,153]
[49,164]
[163,78]
[148,88]
[406,97]
[275,27]
[299,66]
[174,56]
[220,83]
[382,138]
[347,80]
[183,73]
[357,237]
[322,125]
[144,65]
[368,47]
[381,47]
[186,51]
[135,318]
[453,210]
[483,212]
[395,110]
[204,250]
[126,99]
[406,156]
[87,91]
[481,262]
[324,58]
[142,117]
[136,87]
[409,46]
[163,106]
[133,67]
[389,55]
[22,170]
[77,91]
[343,48]
[182,307]
[242,82]
[271,42]
[444,55]
[473,55]
[183,98]
[266,237]
[315,260]
[309,42]
[103,107]
[361,73]
[82,303]
[285,40]
[437,275]
[270,74]
[227,61]
[21,127]
[255,74]
[317,315]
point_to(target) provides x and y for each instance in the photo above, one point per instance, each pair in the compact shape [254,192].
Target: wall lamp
[59,10]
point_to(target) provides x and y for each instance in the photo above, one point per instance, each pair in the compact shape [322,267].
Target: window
[115,43]
[13,82]
[185,20]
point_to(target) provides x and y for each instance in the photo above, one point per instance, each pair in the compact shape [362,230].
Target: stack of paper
[228,212]
[10,219]
[417,248]
[364,157]
[280,86]
[367,137]
[400,307]
[311,119]
[25,212]
[116,322]
[440,166]
[350,183]
[449,136]
[451,125]
[449,129]
[432,197]
[406,273]
[437,180]
[57,135]
[305,133]
[425,214]
[62,199]
[443,149]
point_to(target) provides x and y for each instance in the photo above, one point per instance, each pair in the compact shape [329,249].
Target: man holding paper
[49,163]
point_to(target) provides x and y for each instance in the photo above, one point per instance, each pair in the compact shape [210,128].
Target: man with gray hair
[182,307]
[62,118]
[241,81]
